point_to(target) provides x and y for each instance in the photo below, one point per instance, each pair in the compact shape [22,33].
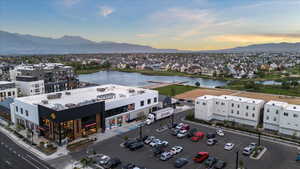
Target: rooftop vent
[141,91]
[70,105]
[131,90]
[45,101]
[101,89]
[68,93]
[54,96]
[295,107]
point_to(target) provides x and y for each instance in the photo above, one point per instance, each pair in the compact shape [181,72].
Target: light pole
[237,160]
[141,131]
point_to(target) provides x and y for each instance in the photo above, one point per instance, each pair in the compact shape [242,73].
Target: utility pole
[259,138]
[141,131]
[237,160]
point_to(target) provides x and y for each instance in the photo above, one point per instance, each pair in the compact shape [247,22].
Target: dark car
[191,133]
[128,166]
[210,161]
[113,163]
[136,146]
[210,135]
[158,150]
[144,138]
[130,142]
[211,141]
[220,164]
[180,162]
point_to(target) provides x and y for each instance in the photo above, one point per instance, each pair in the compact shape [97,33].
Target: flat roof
[83,96]
[233,98]
[5,82]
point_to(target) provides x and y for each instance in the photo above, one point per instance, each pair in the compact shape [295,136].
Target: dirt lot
[191,95]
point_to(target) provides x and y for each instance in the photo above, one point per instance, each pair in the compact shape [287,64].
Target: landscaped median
[173,90]
[79,144]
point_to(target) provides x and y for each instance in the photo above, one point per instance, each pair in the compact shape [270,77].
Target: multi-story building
[57,77]
[29,85]
[74,113]
[282,117]
[7,89]
[242,110]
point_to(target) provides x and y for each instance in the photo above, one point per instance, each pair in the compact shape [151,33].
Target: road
[12,156]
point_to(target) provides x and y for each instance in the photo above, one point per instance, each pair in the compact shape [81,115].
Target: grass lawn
[173,90]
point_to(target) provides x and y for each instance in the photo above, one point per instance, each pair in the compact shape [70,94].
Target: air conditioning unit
[68,93]
[101,89]
[45,101]
[131,90]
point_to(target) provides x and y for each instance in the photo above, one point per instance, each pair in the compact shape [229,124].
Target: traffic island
[258,152]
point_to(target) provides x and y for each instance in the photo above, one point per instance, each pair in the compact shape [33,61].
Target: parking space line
[37,161]
[31,163]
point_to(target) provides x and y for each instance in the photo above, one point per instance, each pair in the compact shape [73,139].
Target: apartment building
[241,110]
[7,90]
[29,85]
[56,76]
[75,113]
[282,117]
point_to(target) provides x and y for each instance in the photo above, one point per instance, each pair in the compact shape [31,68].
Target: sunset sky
[180,24]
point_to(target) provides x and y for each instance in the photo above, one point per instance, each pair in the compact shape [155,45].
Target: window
[253,115]
[17,108]
[268,110]
[155,99]
[277,111]
[231,111]
[232,105]
[295,115]
[285,114]
[238,112]
[238,106]
[267,117]
[203,103]
[9,93]
[253,108]
[21,110]
[142,103]
[222,103]
[217,103]
[247,114]
[247,107]
[26,112]
[149,101]
[274,119]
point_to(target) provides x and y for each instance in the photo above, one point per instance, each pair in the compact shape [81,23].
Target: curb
[260,155]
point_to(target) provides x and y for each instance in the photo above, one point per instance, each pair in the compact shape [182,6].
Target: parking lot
[278,156]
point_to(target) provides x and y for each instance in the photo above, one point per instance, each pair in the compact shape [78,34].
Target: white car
[176,149]
[229,146]
[179,126]
[220,132]
[154,142]
[182,133]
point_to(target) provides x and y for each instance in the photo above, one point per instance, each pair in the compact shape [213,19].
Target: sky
[176,24]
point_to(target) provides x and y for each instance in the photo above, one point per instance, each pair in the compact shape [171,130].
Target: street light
[237,160]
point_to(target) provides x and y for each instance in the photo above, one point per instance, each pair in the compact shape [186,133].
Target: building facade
[74,113]
[231,108]
[56,76]
[282,117]
[29,85]
[7,90]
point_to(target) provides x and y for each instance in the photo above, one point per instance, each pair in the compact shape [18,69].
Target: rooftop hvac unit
[122,95]
[131,90]
[101,89]
[106,96]
[68,93]
[70,105]
[141,91]
[54,96]
[45,101]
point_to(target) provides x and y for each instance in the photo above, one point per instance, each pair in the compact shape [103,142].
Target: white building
[28,85]
[7,89]
[232,108]
[91,109]
[282,117]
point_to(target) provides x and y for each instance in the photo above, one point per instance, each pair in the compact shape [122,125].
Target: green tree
[173,92]
[294,83]
[197,84]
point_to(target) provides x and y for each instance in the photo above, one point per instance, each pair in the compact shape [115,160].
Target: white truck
[159,114]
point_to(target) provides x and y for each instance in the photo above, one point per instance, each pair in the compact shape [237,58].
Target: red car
[185,127]
[200,157]
[197,136]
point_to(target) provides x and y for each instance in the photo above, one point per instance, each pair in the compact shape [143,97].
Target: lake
[138,79]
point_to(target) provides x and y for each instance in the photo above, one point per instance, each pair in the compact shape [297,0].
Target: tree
[173,92]
[285,85]
[197,84]
[214,74]
[294,83]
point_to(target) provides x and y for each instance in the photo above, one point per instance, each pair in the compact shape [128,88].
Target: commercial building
[29,85]
[282,117]
[7,90]
[241,110]
[56,76]
[74,113]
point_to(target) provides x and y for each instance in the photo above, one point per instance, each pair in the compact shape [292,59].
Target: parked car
[136,146]
[158,151]
[191,132]
[182,133]
[176,149]
[165,156]
[210,135]
[149,139]
[145,137]
[112,163]
[132,166]
[179,126]
[229,146]
[154,142]
[248,150]
[220,164]
[200,157]
[185,127]
[130,141]
[211,141]
[220,132]
[180,162]
[162,143]
[197,136]
[253,145]
[102,160]
[174,131]
[210,161]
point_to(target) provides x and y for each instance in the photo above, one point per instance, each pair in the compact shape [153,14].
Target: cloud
[70,3]
[258,38]
[146,35]
[105,11]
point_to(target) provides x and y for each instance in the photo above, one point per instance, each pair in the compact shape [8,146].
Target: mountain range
[14,43]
